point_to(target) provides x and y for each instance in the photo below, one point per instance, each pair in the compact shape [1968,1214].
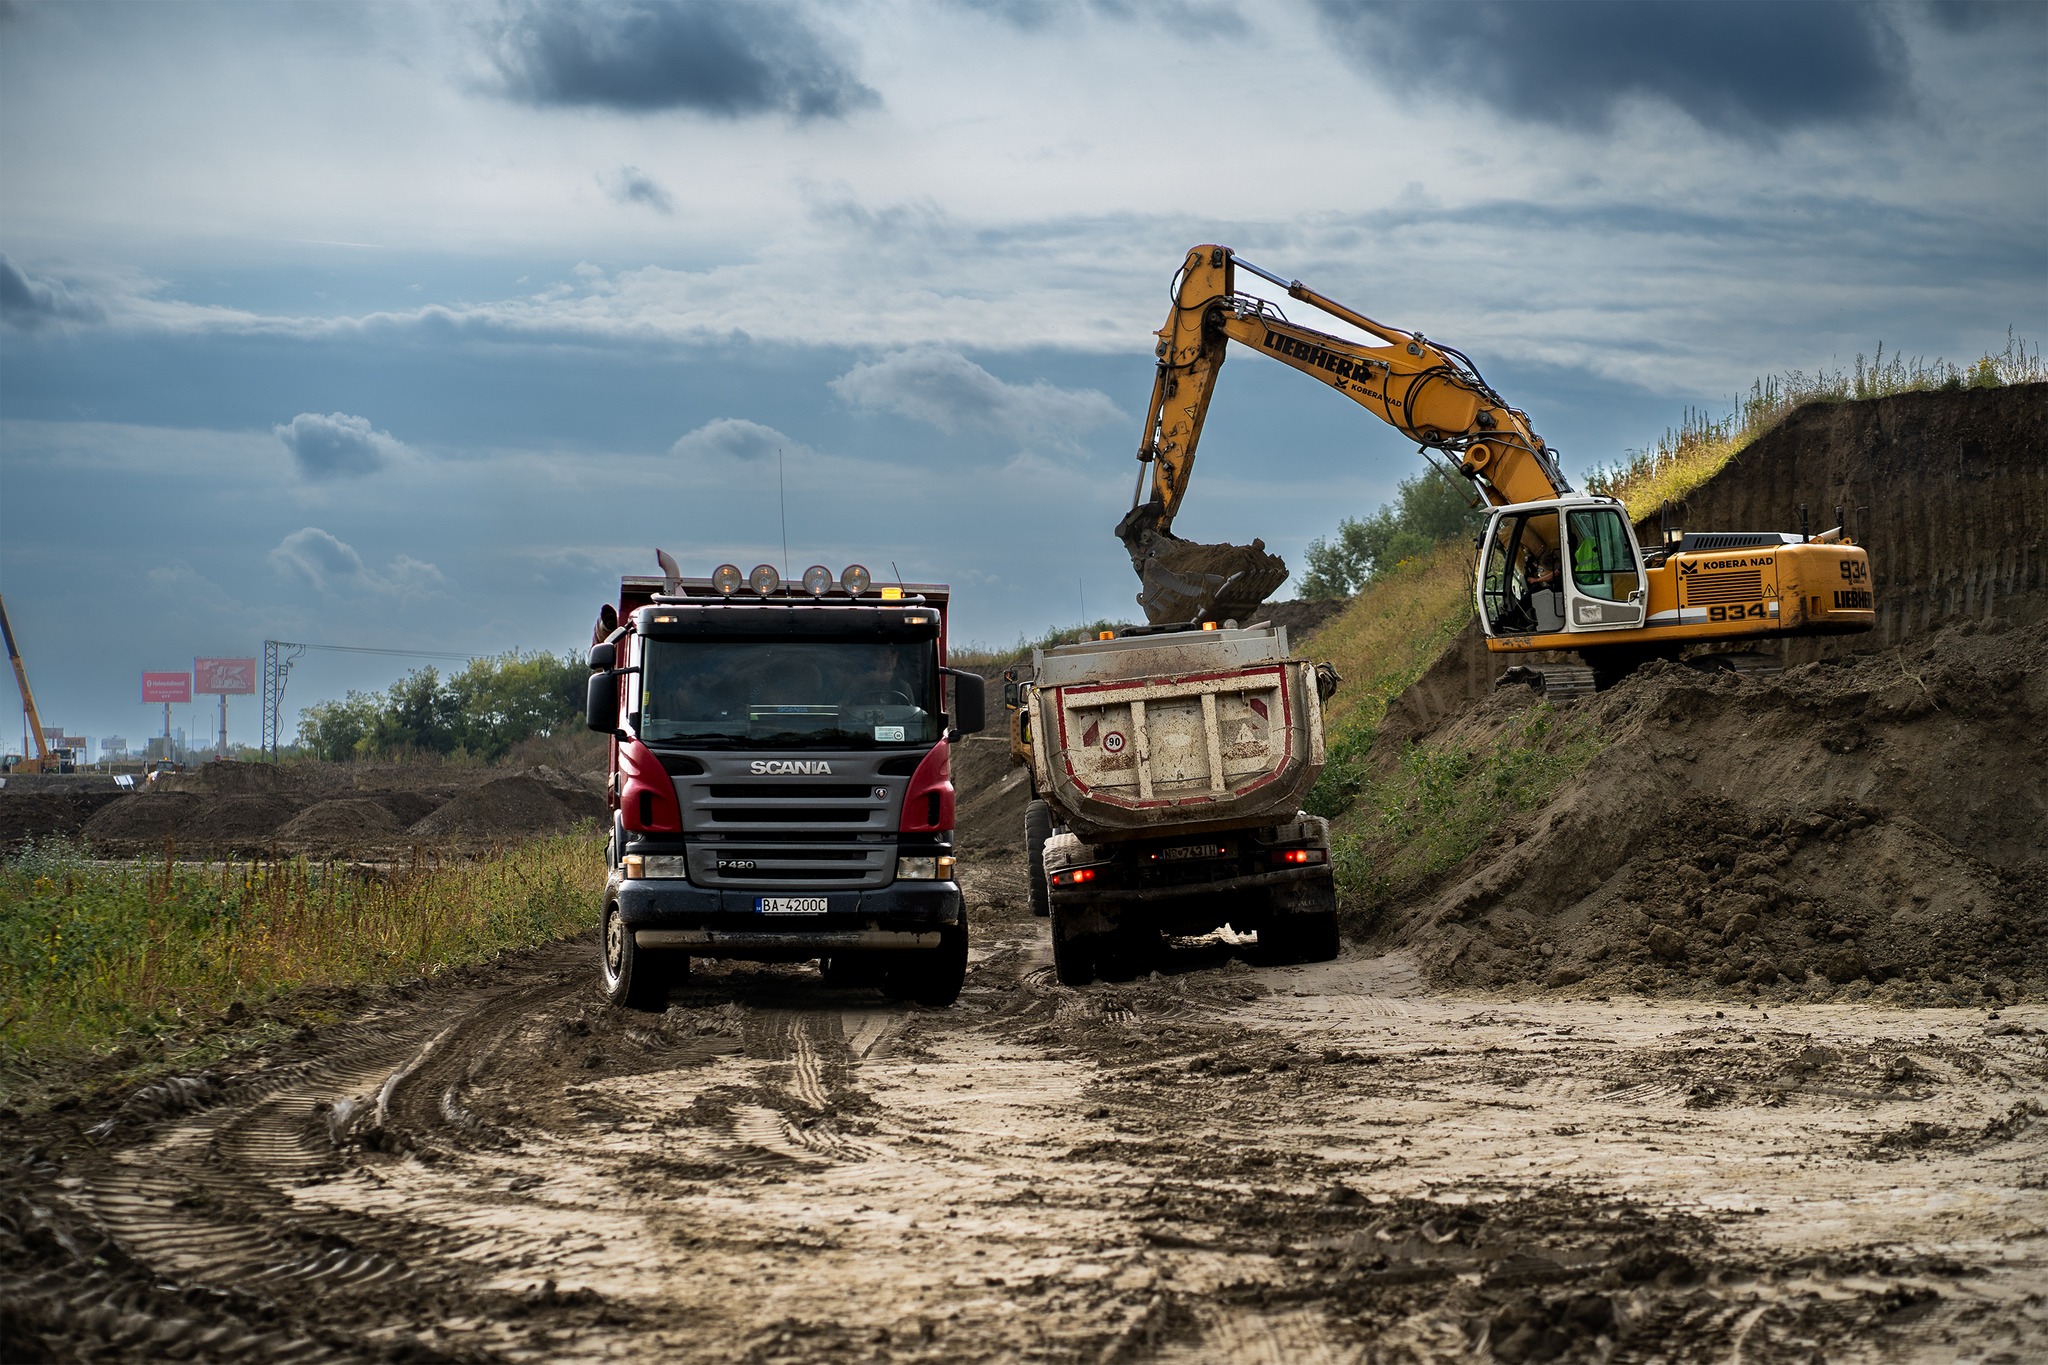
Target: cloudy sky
[412,327]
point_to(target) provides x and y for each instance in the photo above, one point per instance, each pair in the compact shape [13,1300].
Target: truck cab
[781,781]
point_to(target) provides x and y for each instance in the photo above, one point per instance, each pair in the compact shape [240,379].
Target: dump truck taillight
[1074,876]
[1301,855]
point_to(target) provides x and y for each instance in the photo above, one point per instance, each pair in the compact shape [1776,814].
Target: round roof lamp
[765,579]
[855,580]
[817,580]
[726,578]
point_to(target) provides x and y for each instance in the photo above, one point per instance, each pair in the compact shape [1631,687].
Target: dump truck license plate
[1187,851]
[790,905]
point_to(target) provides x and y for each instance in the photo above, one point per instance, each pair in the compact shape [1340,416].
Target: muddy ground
[1337,1162]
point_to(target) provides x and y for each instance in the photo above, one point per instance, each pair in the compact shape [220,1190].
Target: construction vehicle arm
[1428,392]
[28,698]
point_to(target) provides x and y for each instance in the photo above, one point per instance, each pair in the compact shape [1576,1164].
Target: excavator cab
[1560,567]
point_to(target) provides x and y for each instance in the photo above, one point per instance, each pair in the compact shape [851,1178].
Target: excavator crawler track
[1552,682]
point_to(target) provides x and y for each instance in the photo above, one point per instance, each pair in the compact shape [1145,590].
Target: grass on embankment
[1700,447]
[1408,827]
[95,955]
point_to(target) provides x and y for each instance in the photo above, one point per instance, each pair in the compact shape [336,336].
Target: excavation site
[1728,1045]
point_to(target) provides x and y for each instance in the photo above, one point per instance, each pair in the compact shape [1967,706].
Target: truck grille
[1747,585]
[817,861]
[802,815]
[789,791]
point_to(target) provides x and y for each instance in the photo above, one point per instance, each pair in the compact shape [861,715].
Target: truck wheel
[633,978]
[1307,931]
[1037,829]
[1073,955]
[932,976]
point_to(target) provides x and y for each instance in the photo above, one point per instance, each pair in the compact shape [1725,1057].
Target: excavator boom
[1430,393]
[28,698]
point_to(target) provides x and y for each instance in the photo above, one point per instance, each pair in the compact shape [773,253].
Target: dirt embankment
[1872,821]
[317,809]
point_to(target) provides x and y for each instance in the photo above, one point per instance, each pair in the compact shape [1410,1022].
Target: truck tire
[634,978]
[1073,955]
[1037,829]
[932,976]
[1308,932]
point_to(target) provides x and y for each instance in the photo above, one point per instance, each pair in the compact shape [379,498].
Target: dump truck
[1168,765]
[781,784]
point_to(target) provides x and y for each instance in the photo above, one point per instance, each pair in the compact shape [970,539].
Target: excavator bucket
[1182,581]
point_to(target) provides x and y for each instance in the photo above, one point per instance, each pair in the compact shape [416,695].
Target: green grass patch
[1392,632]
[96,954]
[1443,801]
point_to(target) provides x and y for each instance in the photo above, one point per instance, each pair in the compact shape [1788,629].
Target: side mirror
[601,702]
[970,700]
[605,655]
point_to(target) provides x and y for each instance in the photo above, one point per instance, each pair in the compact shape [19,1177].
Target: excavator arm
[1429,392]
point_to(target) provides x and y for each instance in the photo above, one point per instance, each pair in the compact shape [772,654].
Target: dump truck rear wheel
[1037,829]
[1307,931]
[1073,955]
[634,978]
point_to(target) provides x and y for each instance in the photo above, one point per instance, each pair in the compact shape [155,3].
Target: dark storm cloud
[1971,16]
[31,303]
[335,446]
[640,56]
[631,185]
[1747,69]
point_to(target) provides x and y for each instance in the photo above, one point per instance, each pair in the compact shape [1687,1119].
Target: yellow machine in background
[46,760]
[1557,571]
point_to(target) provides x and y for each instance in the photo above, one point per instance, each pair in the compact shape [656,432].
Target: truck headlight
[647,866]
[938,869]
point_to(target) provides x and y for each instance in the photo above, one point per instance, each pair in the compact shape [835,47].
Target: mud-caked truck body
[1168,768]
[781,783]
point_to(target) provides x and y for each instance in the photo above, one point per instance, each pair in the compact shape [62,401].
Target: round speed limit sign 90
[1113,742]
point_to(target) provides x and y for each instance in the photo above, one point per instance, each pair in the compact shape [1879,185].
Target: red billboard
[166,687]
[228,677]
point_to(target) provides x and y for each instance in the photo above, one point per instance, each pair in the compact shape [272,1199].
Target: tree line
[1429,509]
[480,712]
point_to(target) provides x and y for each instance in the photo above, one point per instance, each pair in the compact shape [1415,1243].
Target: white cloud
[734,438]
[331,566]
[337,445]
[944,389]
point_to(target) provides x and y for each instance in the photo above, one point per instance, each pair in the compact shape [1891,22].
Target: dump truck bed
[1152,734]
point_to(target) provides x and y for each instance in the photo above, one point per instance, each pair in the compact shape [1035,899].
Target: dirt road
[1325,1163]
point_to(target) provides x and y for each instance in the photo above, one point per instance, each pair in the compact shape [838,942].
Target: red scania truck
[780,779]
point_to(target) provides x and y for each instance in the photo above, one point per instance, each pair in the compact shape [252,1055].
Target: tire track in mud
[1324,1163]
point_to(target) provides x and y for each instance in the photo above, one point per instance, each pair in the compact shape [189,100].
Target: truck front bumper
[671,914]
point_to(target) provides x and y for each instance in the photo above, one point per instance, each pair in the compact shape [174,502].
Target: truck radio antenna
[782,506]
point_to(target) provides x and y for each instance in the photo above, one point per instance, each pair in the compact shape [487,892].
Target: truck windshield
[782,693]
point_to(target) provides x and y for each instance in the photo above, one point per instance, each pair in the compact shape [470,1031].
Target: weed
[1693,452]
[94,953]
[1442,802]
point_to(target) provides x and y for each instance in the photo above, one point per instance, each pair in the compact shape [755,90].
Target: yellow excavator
[1556,570]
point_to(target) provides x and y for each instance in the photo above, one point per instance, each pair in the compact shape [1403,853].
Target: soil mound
[1303,617]
[1878,819]
[238,819]
[349,822]
[540,800]
[152,816]
[43,814]
[405,809]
